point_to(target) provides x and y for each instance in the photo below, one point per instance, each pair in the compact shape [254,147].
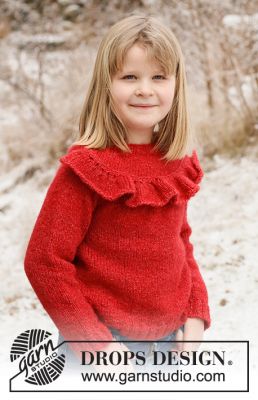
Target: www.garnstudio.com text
[160,376]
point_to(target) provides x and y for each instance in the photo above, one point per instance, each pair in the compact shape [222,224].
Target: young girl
[109,256]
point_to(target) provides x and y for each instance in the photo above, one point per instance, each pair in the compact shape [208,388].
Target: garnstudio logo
[37,357]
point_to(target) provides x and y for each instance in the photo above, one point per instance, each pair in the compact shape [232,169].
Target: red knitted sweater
[110,246]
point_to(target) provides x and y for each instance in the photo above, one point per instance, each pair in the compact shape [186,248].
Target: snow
[223,217]
[246,90]
[234,20]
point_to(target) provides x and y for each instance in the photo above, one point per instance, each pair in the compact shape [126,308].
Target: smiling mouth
[142,106]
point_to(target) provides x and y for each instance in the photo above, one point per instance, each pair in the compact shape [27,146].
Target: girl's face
[142,94]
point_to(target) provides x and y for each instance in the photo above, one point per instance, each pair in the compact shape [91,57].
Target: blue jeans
[162,344]
[146,347]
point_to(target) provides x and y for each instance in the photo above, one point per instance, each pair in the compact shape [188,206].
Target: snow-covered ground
[224,219]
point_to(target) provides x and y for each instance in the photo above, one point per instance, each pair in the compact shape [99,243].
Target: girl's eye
[161,76]
[129,76]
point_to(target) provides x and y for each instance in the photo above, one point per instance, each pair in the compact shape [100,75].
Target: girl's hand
[119,347]
[193,330]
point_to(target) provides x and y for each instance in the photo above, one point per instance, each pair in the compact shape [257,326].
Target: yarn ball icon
[37,357]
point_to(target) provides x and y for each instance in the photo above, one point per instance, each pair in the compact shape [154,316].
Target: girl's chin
[142,127]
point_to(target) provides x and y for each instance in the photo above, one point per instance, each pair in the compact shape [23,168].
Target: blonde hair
[99,125]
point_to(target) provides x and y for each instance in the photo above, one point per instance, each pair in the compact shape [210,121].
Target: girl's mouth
[142,106]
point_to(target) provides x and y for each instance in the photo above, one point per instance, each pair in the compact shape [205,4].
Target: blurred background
[47,51]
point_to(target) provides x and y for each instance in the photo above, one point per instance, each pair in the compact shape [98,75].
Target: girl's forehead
[137,52]
[138,59]
[153,64]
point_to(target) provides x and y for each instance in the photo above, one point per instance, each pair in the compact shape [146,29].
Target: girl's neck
[143,147]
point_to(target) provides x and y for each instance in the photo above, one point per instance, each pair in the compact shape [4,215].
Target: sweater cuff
[198,308]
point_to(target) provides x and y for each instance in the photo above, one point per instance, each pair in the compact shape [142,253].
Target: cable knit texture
[110,246]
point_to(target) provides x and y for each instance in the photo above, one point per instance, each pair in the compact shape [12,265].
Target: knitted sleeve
[198,303]
[49,260]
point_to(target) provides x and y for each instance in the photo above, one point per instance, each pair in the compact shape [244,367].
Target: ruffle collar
[94,167]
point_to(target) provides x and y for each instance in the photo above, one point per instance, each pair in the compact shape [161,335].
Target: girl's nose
[144,88]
